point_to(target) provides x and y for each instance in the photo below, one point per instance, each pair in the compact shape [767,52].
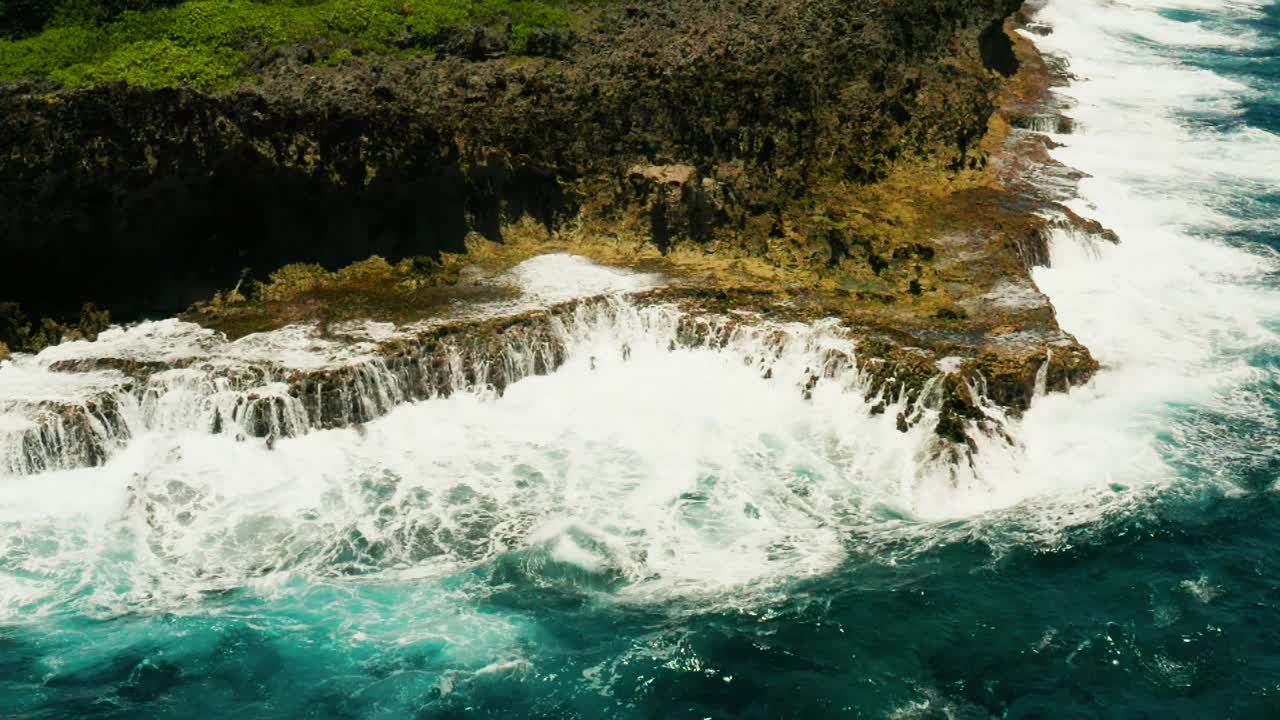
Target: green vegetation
[206,44]
[18,334]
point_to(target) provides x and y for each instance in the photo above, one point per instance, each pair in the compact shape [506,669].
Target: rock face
[145,201]
[872,161]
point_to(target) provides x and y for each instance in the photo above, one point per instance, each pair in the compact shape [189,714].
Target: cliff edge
[811,158]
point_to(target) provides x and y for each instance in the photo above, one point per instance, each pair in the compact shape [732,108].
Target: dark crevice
[996,48]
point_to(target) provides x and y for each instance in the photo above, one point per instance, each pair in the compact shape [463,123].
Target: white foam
[1168,296]
[236,387]
[174,341]
[23,382]
[543,281]
[706,473]
[680,473]
[559,277]
[1171,312]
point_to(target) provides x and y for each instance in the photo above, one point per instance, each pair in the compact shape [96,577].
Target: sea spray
[1178,309]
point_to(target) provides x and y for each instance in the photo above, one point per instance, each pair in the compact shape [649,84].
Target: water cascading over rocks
[173,376]
[939,302]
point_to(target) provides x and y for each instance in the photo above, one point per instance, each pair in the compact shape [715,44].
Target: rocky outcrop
[871,161]
[145,201]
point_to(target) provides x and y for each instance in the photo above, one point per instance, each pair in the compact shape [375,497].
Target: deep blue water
[1167,607]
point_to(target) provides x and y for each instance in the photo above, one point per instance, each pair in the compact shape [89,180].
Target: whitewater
[653,530]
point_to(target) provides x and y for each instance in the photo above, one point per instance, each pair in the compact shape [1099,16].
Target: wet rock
[55,435]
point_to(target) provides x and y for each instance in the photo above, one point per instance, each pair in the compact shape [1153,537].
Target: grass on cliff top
[205,44]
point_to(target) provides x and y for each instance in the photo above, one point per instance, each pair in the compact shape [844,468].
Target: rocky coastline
[879,163]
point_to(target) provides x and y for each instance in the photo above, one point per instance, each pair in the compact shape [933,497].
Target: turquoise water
[673,538]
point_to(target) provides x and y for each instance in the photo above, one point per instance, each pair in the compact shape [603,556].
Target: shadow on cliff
[147,226]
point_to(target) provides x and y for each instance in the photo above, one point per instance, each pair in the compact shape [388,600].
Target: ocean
[657,533]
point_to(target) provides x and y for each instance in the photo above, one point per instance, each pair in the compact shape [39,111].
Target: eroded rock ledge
[872,162]
[289,382]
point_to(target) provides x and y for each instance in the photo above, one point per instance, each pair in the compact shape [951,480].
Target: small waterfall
[245,397]
[56,436]
[224,395]
[77,404]
[1042,375]
[1047,124]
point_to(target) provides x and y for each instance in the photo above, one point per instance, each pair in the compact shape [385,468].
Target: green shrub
[528,17]
[337,56]
[227,23]
[159,64]
[429,18]
[51,50]
[203,43]
[19,18]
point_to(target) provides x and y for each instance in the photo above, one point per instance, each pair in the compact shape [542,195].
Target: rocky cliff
[146,200]
[830,155]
